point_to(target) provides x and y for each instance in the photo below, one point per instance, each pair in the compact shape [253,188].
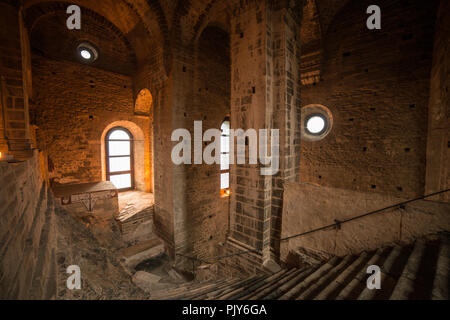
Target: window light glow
[85,54]
[225,158]
[315,125]
[119,158]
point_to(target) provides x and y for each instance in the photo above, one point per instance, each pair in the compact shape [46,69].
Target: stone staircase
[418,271]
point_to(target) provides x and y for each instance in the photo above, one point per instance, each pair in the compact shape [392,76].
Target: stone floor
[132,202]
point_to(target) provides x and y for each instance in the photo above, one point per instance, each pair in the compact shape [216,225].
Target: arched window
[225,158]
[119,158]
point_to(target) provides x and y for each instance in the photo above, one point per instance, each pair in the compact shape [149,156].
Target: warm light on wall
[5,157]
[225,193]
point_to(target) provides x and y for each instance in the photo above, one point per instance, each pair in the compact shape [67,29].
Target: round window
[87,52]
[317,124]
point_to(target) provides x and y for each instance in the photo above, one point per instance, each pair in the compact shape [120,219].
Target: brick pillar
[286,113]
[251,76]
[15,72]
[171,183]
[265,95]
[163,175]
[182,74]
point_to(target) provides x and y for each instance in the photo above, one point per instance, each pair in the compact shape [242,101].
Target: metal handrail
[337,224]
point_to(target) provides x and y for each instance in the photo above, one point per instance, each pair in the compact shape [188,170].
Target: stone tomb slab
[92,203]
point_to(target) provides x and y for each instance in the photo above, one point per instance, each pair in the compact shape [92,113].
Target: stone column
[182,74]
[265,94]
[171,184]
[286,114]
[251,77]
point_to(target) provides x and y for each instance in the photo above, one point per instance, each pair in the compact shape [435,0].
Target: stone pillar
[163,175]
[286,113]
[265,95]
[251,77]
[171,217]
[182,75]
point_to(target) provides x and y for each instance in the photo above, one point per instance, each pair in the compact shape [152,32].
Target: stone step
[358,283]
[239,290]
[278,280]
[248,291]
[150,282]
[241,283]
[217,290]
[202,290]
[315,284]
[226,288]
[387,272]
[220,290]
[178,290]
[298,275]
[285,291]
[405,285]
[441,279]
[343,277]
[134,255]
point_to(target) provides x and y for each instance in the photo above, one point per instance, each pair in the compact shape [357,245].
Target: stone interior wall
[438,148]
[27,233]
[307,207]
[376,84]
[73,104]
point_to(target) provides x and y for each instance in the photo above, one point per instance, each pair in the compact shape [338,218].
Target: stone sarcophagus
[92,203]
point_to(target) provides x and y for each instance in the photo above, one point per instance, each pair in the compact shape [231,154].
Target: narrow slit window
[119,158]
[225,158]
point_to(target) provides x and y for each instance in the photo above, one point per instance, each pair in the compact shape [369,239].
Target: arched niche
[144,103]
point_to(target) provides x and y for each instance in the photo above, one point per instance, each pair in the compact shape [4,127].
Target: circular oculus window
[87,52]
[316,124]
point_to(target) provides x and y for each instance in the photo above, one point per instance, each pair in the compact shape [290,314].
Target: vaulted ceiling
[149,28]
